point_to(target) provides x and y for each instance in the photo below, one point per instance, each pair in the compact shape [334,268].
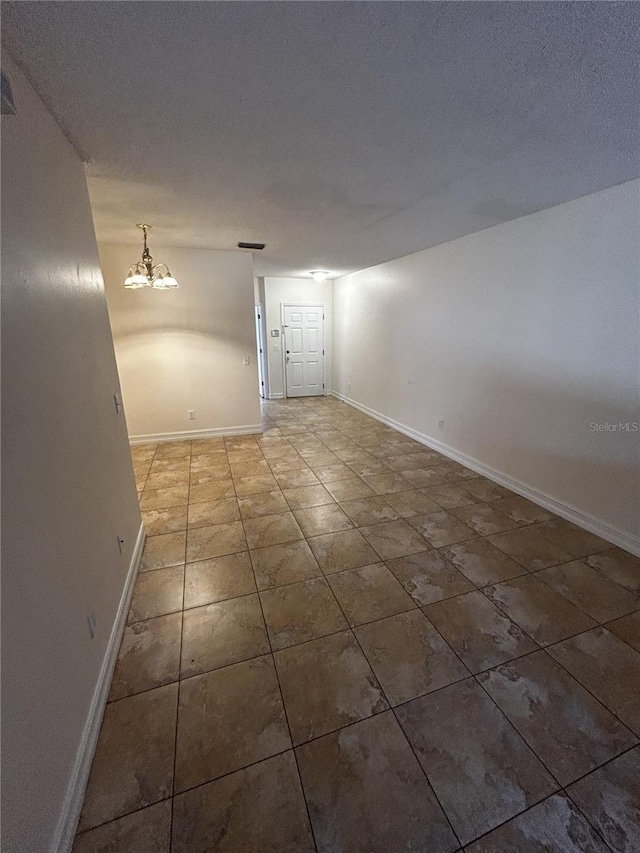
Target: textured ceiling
[341,134]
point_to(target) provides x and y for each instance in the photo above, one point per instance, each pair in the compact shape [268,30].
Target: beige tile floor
[342,641]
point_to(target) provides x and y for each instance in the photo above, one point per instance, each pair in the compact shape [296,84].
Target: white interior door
[304,349]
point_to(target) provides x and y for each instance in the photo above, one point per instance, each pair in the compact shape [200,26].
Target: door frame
[261,351]
[314,304]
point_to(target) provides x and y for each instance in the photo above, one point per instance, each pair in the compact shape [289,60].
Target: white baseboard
[276,397]
[66,828]
[246,429]
[571,513]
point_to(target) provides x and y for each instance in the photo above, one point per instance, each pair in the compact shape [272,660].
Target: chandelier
[145,273]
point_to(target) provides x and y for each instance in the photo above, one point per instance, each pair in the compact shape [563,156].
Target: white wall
[518,337]
[279,291]
[183,349]
[68,487]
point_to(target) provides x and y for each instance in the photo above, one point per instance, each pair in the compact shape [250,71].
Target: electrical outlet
[192,414]
[92,621]
[440,424]
[246,359]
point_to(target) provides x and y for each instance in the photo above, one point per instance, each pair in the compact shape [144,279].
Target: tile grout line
[577,806]
[153,459]
[389,705]
[309,430]
[581,609]
[284,707]
[392,710]
[512,725]
[526,572]
[561,788]
[545,648]
[184,582]
[334,731]
[588,690]
[474,676]
[286,717]
[371,622]
[389,708]
[148,472]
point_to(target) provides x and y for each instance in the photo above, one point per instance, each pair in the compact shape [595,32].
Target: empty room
[320,427]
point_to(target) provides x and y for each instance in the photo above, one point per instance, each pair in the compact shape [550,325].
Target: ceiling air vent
[251,245]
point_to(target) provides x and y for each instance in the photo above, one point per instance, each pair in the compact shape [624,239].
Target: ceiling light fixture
[145,273]
[319,275]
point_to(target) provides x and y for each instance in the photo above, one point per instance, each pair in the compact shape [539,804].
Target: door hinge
[261,351]
[262,383]
[323,384]
[322,352]
[259,317]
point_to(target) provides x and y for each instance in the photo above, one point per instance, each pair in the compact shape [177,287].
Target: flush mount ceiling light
[145,273]
[319,275]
